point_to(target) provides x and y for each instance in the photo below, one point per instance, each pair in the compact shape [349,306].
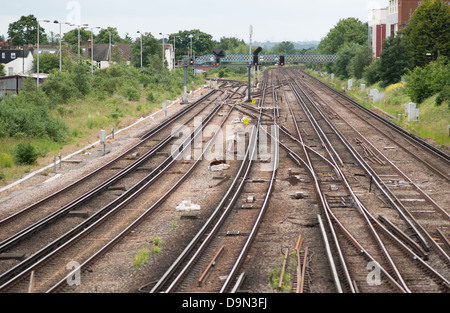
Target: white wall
[20,66]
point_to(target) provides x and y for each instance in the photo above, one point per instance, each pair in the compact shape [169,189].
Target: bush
[19,119]
[6,160]
[424,82]
[25,153]
[130,93]
[444,95]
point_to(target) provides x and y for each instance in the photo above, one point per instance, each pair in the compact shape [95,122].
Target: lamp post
[109,44]
[162,44]
[174,50]
[38,48]
[141,46]
[60,52]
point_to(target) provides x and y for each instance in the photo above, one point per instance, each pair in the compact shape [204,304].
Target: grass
[434,120]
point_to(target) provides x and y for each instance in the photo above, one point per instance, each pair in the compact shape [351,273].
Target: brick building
[386,22]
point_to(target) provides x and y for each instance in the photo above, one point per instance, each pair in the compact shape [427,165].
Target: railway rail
[351,226]
[98,217]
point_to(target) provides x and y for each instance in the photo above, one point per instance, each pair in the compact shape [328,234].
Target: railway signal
[218,53]
[191,62]
[255,60]
[281,60]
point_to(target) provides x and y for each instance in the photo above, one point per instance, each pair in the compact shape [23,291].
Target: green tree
[103,36]
[350,30]
[202,43]
[284,47]
[229,43]
[395,60]
[372,72]
[47,62]
[429,31]
[24,31]
[361,59]
[150,46]
[342,64]
[71,38]
[423,82]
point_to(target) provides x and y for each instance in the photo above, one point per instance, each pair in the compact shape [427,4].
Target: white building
[378,30]
[16,61]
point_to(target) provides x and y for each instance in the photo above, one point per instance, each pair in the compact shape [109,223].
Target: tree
[150,46]
[345,55]
[231,45]
[395,60]
[202,43]
[426,81]
[103,36]
[350,30]
[362,59]
[372,72]
[284,47]
[71,37]
[47,62]
[429,30]
[24,31]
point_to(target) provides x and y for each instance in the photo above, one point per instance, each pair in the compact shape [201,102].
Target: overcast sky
[272,20]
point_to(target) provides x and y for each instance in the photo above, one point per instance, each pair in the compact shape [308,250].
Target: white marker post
[103,139]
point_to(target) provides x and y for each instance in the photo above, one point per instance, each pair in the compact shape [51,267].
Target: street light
[92,46]
[109,44]
[163,50]
[38,48]
[141,46]
[174,50]
[60,52]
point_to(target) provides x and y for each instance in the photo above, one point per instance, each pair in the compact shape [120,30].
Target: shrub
[6,160]
[130,93]
[25,153]
[444,95]
[424,82]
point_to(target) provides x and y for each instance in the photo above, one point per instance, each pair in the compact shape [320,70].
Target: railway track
[316,210]
[348,203]
[219,248]
[109,210]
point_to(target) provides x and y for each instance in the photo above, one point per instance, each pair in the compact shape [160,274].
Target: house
[16,61]
[104,54]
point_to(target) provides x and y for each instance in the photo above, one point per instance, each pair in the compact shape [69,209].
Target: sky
[271,20]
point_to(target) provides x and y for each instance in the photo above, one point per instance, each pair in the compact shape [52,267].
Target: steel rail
[308,165]
[371,220]
[221,207]
[240,259]
[75,234]
[405,214]
[375,235]
[331,216]
[9,242]
[445,214]
[148,210]
[402,131]
[77,182]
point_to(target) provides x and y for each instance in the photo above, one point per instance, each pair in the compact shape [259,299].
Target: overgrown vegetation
[73,104]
